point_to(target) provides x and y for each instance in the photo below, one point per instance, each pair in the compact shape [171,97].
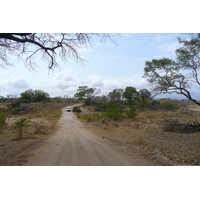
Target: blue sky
[109,66]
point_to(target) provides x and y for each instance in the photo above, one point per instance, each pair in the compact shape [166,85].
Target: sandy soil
[74,145]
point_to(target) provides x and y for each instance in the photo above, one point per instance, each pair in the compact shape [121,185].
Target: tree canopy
[130,93]
[86,93]
[48,45]
[34,96]
[168,76]
[116,94]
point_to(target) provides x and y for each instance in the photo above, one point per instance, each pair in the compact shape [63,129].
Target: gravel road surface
[73,145]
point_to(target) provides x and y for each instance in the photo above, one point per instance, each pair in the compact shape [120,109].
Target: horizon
[109,66]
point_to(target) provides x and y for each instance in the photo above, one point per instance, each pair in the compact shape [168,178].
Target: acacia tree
[85,93]
[130,93]
[34,96]
[168,76]
[145,95]
[116,94]
[48,45]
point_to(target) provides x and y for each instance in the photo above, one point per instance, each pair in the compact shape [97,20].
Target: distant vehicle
[68,109]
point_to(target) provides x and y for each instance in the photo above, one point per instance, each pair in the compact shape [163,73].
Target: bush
[168,104]
[113,111]
[173,125]
[92,117]
[100,108]
[19,124]
[14,105]
[41,128]
[2,121]
[2,118]
[76,109]
[131,112]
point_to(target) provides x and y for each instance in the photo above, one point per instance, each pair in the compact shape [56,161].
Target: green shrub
[76,109]
[19,124]
[168,104]
[100,108]
[2,121]
[14,105]
[2,118]
[131,112]
[91,117]
[113,111]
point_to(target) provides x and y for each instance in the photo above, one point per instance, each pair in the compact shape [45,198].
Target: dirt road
[74,145]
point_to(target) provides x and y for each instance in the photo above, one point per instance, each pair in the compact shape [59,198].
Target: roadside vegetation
[23,126]
[164,129]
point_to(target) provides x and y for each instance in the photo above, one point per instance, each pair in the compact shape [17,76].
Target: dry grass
[147,132]
[40,124]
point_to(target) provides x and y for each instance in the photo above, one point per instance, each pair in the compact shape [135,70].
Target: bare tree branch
[51,45]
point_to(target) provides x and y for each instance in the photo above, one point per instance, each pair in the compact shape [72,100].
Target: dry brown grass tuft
[141,140]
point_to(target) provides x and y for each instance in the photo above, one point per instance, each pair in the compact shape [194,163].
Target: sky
[110,65]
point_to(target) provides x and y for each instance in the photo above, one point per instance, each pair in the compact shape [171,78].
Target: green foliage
[137,101]
[101,107]
[34,96]
[168,104]
[130,93]
[41,96]
[2,118]
[113,111]
[14,105]
[145,95]
[19,124]
[110,110]
[85,93]
[25,97]
[168,76]
[92,116]
[116,94]
[2,121]
[76,109]
[131,112]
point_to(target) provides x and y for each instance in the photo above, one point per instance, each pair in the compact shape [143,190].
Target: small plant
[131,112]
[19,124]
[141,140]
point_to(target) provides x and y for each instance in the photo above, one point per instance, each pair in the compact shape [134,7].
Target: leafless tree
[48,45]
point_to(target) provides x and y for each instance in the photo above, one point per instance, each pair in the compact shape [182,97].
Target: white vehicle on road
[68,109]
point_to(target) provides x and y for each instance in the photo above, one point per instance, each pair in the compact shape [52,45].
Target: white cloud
[64,77]
[18,82]
[95,81]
